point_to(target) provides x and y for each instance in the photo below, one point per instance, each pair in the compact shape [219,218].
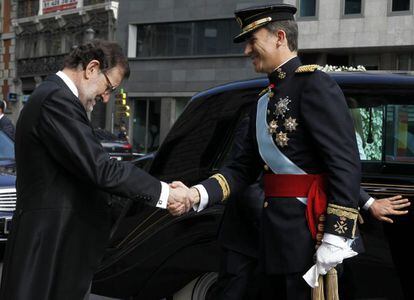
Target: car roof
[383,79]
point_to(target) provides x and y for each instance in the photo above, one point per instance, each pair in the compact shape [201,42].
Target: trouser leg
[285,287]
[235,276]
[88,293]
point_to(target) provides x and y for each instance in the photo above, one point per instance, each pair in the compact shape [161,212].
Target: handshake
[181,198]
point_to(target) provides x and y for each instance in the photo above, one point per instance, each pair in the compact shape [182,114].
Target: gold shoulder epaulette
[307,68]
[264,91]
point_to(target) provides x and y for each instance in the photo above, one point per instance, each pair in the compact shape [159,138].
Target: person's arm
[325,114]
[71,142]
[365,200]
[382,209]
[329,123]
[243,168]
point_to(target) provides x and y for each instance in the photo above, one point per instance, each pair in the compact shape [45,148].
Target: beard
[91,102]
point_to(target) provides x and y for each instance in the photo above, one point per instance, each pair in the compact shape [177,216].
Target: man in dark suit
[5,124]
[301,136]
[61,224]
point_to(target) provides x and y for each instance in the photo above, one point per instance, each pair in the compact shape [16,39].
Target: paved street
[92,297]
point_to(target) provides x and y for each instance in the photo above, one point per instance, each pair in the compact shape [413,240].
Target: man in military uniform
[302,136]
[239,233]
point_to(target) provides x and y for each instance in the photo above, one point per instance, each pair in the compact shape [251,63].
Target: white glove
[333,250]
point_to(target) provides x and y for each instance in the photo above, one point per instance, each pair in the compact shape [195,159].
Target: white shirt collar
[285,62]
[1,116]
[71,85]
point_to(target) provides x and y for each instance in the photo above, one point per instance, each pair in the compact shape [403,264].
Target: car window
[384,127]
[6,147]
[225,153]
[368,124]
[400,130]
[199,140]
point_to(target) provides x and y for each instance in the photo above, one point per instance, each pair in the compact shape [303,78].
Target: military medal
[282,139]
[282,106]
[269,88]
[290,124]
[280,73]
[272,127]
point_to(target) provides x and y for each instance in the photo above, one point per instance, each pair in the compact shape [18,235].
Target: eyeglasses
[109,87]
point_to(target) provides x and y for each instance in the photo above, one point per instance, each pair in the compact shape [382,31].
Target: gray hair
[290,27]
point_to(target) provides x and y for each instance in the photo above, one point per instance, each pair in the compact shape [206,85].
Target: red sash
[311,186]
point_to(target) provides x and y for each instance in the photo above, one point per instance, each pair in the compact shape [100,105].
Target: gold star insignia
[272,127]
[282,139]
[290,124]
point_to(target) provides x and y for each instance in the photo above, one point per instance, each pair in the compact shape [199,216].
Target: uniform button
[266,204]
[266,167]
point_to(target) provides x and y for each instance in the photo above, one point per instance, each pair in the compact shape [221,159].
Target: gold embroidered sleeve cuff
[341,220]
[225,188]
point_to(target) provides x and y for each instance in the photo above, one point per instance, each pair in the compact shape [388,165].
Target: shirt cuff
[368,204]
[203,198]
[165,192]
[336,240]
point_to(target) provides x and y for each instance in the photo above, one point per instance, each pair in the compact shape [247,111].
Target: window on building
[27,8]
[92,2]
[404,62]
[400,5]
[146,125]
[213,37]
[307,8]
[352,7]
[53,44]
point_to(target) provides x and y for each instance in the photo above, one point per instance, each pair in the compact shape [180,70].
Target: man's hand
[331,252]
[381,208]
[193,196]
[177,200]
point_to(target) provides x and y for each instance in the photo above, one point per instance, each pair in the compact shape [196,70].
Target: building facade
[179,47]
[176,48]
[46,30]
[7,59]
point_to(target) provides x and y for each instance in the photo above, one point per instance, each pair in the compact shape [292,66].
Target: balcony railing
[92,2]
[39,66]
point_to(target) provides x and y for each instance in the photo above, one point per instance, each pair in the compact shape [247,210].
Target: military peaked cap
[255,17]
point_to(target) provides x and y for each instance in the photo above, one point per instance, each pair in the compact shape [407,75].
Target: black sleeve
[327,117]
[363,197]
[65,129]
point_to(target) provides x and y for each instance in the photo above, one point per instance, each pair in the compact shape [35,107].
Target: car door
[384,124]
[151,249]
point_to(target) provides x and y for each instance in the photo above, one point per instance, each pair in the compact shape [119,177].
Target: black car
[154,255]
[118,148]
[7,186]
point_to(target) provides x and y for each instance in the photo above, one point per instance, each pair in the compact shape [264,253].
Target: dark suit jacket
[61,223]
[7,127]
